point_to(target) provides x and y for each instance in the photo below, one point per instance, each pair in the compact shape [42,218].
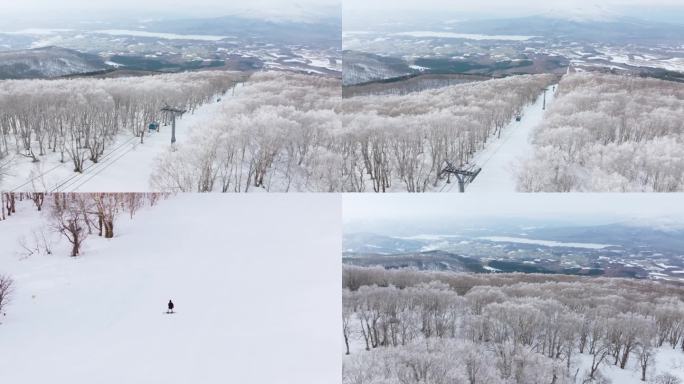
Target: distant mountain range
[619,250]
[624,235]
[47,62]
[325,31]
[606,29]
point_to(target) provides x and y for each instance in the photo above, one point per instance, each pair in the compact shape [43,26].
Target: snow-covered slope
[136,162]
[501,157]
[253,279]
[126,165]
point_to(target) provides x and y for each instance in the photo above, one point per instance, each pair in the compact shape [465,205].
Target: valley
[233,43]
[657,255]
[535,44]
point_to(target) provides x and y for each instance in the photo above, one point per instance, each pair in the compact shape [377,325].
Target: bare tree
[667,378]
[107,206]
[6,288]
[70,220]
[38,199]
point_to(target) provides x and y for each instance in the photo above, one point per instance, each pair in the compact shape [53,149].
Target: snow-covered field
[254,279]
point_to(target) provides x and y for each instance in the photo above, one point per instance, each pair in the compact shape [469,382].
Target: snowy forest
[78,120]
[609,133]
[277,134]
[286,132]
[406,326]
[403,142]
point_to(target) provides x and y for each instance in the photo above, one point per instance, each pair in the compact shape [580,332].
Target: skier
[170,307]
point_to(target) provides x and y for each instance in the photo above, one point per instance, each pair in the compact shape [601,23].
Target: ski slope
[126,165]
[255,282]
[500,157]
[132,171]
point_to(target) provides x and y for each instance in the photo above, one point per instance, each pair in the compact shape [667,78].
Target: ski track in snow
[500,157]
[248,311]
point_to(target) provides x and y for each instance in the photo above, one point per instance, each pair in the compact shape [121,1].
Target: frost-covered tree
[81,118]
[425,327]
[609,133]
[287,132]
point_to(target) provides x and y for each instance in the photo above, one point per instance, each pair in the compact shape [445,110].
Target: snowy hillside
[252,279]
[47,62]
[403,142]
[93,134]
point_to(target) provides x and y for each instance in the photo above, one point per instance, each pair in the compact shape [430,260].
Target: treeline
[79,118]
[74,216]
[609,133]
[438,327]
[287,132]
[409,84]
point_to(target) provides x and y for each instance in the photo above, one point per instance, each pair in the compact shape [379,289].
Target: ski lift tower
[544,105]
[174,112]
[463,175]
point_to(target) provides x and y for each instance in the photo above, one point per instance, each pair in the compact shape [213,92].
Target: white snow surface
[500,158]
[254,279]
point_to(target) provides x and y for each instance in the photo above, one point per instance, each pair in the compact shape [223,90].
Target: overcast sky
[496,6]
[654,208]
[73,9]
[361,10]
[387,10]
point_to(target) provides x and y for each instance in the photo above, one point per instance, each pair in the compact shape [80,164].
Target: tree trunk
[346,343]
[76,245]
